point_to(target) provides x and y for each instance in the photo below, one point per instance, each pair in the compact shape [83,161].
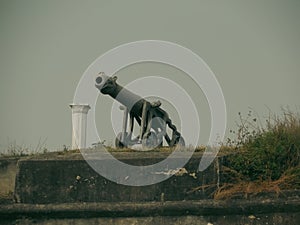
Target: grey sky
[45,46]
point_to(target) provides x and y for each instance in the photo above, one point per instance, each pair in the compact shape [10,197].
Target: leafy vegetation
[265,158]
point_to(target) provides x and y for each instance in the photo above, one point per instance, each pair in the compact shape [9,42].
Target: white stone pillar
[79,125]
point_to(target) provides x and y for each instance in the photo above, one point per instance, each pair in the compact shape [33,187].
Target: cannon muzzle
[108,85]
[102,82]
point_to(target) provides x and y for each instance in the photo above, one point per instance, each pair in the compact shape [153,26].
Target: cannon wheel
[118,142]
[150,141]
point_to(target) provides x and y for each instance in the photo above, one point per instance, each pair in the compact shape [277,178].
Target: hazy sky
[253,47]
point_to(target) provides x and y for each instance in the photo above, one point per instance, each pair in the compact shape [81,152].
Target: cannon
[151,118]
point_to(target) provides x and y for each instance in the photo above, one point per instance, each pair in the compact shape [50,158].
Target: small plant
[45,150]
[14,149]
[65,148]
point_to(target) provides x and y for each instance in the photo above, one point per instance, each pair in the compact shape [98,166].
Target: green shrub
[266,152]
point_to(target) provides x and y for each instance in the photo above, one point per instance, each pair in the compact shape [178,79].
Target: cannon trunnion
[152,119]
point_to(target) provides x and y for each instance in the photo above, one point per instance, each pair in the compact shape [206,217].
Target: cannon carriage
[151,118]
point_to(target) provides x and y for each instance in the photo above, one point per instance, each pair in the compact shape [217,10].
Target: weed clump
[269,153]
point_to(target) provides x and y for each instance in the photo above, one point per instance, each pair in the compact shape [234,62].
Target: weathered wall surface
[8,170]
[64,179]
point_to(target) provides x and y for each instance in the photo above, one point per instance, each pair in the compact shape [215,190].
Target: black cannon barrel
[108,85]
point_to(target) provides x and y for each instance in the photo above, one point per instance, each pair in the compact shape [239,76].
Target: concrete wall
[63,180]
[8,170]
